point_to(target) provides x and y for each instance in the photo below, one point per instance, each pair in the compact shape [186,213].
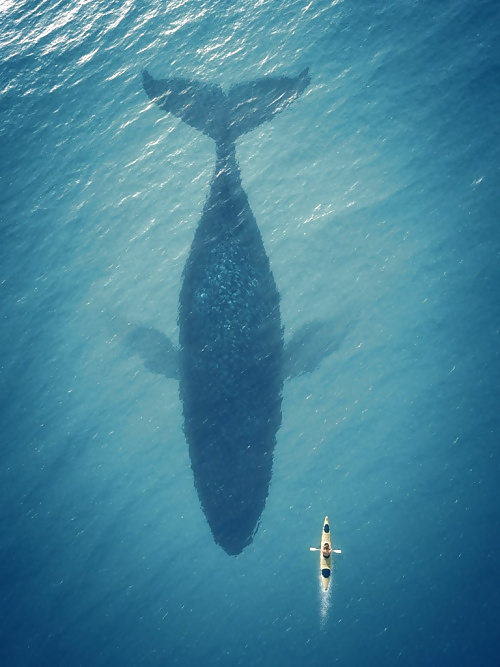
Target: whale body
[231,360]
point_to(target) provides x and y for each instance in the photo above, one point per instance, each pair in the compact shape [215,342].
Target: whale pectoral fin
[251,104]
[201,105]
[157,350]
[312,343]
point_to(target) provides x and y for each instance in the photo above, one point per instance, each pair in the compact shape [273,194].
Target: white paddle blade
[337,551]
[314,549]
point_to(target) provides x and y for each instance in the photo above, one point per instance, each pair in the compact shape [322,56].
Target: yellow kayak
[325,563]
[325,559]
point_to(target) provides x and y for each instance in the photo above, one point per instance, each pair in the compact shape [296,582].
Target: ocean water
[377,195]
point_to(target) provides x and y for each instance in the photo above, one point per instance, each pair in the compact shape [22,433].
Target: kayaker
[327,550]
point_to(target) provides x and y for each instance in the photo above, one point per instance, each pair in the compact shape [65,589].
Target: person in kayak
[327,550]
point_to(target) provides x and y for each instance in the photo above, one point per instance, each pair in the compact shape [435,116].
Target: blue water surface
[377,195]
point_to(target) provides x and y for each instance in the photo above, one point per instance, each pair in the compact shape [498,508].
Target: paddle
[335,551]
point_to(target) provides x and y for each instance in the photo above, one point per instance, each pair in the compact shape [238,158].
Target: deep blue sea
[377,194]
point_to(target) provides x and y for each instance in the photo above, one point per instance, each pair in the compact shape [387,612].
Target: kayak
[325,564]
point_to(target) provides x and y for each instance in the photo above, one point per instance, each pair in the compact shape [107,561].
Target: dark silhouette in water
[231,364]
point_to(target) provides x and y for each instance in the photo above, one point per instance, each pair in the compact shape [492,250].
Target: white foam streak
[325,601]
[5,5]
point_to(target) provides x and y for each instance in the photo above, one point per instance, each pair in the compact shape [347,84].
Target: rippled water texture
[377,198]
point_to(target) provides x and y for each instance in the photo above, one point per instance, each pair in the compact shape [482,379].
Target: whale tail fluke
[254,103]
[200,105]
[223,117]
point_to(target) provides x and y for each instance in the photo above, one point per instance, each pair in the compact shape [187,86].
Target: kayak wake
[325,603]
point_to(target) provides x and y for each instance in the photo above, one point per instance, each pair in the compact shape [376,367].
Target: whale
[231,361]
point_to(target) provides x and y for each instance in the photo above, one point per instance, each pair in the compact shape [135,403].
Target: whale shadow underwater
[231,363]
